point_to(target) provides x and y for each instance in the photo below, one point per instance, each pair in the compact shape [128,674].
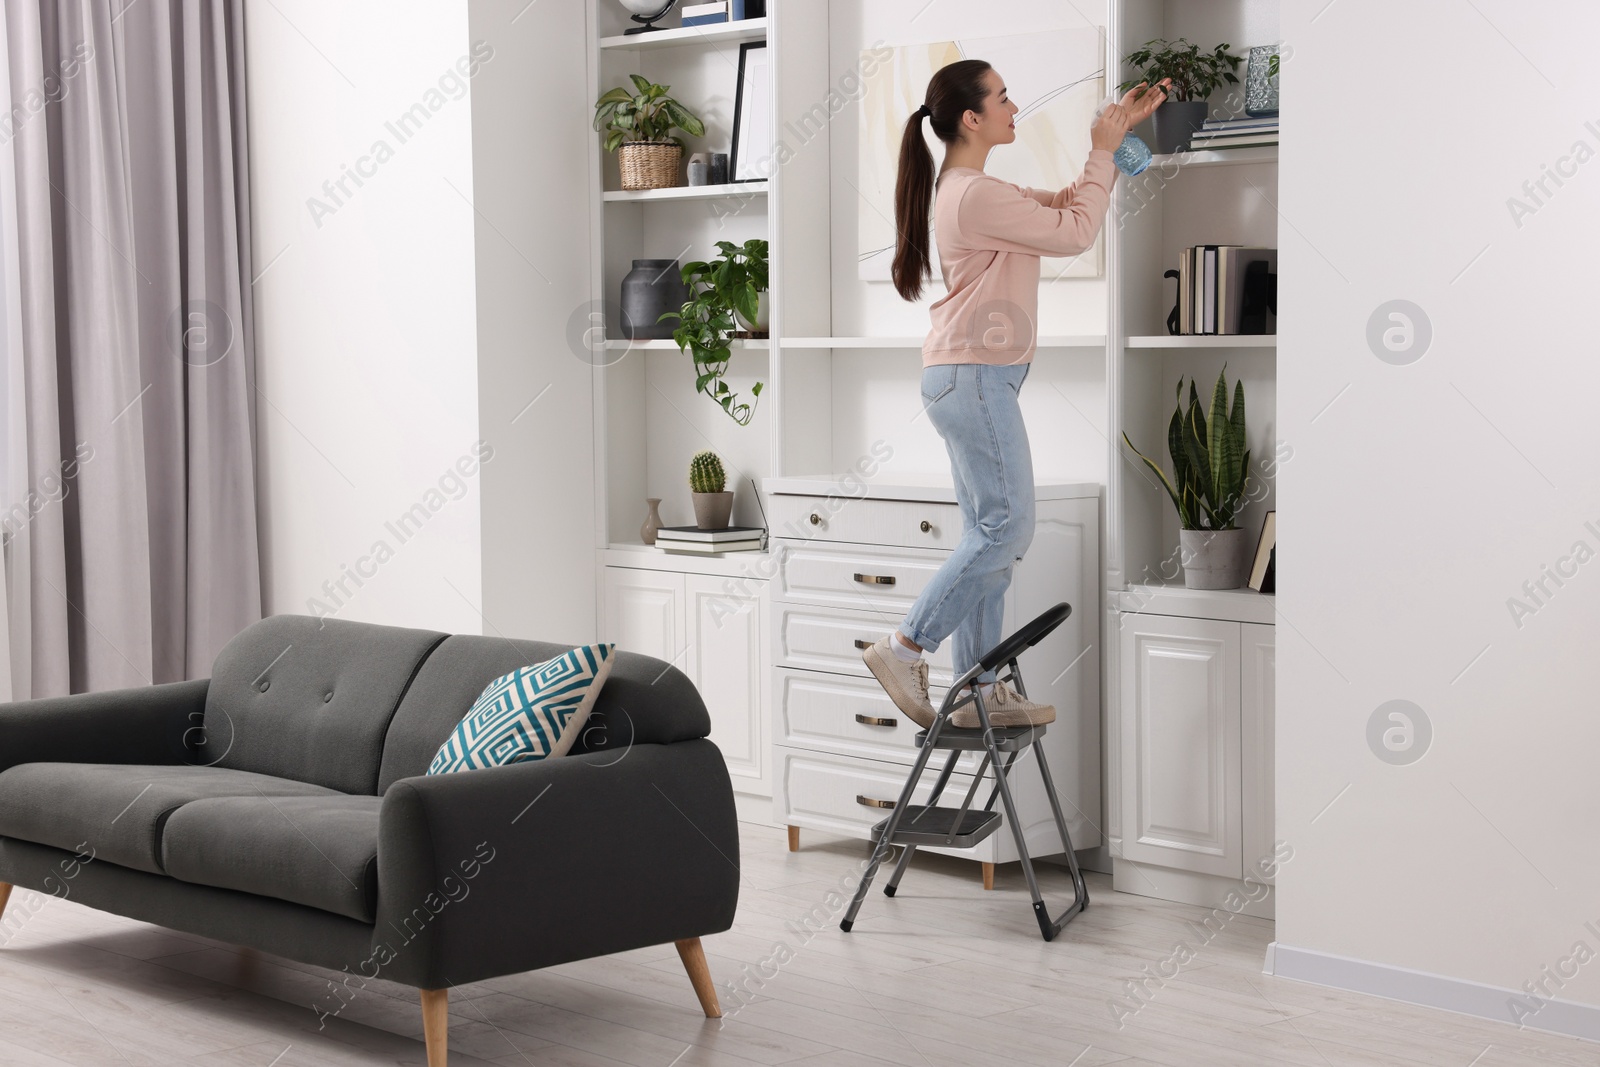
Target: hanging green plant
[721,292]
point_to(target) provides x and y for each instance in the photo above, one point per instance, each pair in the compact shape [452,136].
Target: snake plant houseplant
[713,503]
[1210,468]
[1195,75]
[722,293]
[640,124]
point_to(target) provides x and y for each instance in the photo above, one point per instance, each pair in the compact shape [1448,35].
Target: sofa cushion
[318,851]
[533,713]
[117,812]
[645,701]
[311,699]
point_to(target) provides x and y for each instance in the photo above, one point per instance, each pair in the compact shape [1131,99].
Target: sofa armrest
[157,724]
[499,871]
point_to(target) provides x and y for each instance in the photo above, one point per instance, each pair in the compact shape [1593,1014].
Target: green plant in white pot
[1210,468]
[713,501]
[1194,76]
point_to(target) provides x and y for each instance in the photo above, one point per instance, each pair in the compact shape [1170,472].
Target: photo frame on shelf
[752,114]
[1262,576]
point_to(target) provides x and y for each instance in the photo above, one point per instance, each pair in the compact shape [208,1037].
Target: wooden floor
[943,974]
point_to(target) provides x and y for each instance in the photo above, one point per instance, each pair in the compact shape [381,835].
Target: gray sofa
[283,804]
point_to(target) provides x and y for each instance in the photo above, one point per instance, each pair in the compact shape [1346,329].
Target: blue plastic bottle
[1132,155]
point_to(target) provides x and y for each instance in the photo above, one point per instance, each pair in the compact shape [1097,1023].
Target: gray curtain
[131,552]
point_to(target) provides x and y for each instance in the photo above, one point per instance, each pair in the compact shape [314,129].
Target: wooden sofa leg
[436,1025]
[988,876]
[5,896]
[794,839]
[694,961]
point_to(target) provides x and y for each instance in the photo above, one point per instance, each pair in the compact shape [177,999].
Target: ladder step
[938,826]
[1007,739]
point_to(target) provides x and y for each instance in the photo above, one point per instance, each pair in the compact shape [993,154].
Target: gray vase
[650,289]
[1214,559]
[712,510]
[1174,123]
[652,521]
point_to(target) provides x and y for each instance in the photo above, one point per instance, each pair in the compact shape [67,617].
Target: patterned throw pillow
[530,714]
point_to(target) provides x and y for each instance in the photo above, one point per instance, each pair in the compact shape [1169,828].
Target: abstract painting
[1057,78]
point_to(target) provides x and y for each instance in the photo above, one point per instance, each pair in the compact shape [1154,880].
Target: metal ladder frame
[992,741]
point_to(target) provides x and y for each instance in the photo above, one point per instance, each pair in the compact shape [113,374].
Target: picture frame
[752,114]
[1263,576]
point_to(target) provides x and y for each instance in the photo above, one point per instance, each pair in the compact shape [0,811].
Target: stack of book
[1225,289]
[691,540]
[1243,132]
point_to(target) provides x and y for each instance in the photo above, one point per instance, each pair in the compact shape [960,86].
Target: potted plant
[723,293]
[713,502]
[1195,75]
[1210,465]
[640,124]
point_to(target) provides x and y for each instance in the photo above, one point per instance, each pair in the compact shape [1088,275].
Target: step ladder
[929,824]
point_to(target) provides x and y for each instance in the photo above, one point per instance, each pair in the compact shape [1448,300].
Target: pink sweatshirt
[990,235]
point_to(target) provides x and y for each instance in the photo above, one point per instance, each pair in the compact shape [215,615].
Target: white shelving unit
[1188,675]
[915,343]
[1203,341]
[688,192]
[717,33]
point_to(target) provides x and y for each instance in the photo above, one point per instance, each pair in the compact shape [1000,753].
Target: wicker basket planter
[649,164]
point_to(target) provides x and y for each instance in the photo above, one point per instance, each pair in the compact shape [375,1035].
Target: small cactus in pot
[713,503]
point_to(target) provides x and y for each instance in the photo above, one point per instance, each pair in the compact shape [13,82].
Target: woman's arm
[994,214]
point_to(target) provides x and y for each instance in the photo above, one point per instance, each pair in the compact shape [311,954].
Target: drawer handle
[875,579]
[868,802]
[816,520]
[864,645]
[873,720]
[926,527]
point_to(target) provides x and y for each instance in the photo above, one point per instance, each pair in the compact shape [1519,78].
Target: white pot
[762,317]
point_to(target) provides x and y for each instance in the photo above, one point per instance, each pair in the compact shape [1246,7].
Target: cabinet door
[1180,751]
[1257,677]
[644,613]
[728,663]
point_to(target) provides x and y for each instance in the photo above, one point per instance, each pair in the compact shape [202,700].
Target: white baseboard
[1432,991]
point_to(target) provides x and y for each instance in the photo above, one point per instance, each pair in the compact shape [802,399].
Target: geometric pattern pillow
[530,714]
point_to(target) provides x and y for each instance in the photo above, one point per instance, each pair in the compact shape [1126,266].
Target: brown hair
[952,92]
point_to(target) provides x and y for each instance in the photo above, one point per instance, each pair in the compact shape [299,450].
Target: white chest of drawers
[851,560]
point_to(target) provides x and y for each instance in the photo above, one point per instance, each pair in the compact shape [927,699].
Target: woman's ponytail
[952,92]
[913,195]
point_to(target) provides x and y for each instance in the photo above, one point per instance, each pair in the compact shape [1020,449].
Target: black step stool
[963,827]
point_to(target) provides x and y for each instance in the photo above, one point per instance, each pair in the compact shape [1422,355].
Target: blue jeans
[974,407]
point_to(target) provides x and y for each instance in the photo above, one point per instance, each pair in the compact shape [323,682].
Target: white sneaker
[906,683]
[1006,707]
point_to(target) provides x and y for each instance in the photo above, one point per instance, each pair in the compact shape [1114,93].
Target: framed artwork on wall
[752,116]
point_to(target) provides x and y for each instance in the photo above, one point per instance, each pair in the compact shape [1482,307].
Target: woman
[991,234]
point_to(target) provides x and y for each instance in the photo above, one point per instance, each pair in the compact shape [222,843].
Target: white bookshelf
[1237,340]
[1188,672]
[686,192]
[1076,341]
[679,37]
[1227,157]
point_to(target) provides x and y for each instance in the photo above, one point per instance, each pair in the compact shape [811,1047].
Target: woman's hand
[1113,124]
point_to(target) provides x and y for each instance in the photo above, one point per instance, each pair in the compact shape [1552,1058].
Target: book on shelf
[1219,294]
[705,14]
[708,548]
[694,533]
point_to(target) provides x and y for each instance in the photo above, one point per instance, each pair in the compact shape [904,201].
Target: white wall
[365,327]
[530,146]
[1065,399]
[1421,497]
